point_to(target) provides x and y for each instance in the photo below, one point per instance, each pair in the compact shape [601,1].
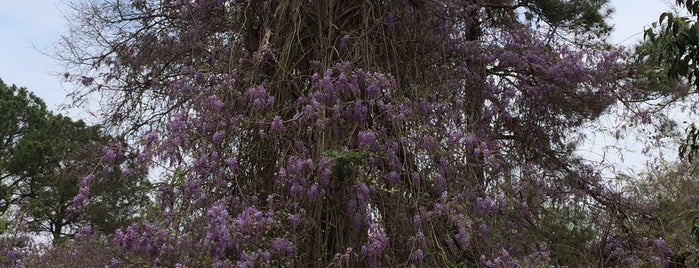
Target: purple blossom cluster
[80,200]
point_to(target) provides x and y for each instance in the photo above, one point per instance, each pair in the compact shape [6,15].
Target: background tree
[44,164]
[19,109]
[669,223]
[357,133]
[674,47]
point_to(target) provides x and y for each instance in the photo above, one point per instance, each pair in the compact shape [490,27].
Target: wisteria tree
[359,133]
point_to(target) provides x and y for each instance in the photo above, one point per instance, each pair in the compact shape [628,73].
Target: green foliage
[679,42]
[689,147]
[587,16]
[671,195]
[673,45]
[19,109]
[347,161]
[570,232]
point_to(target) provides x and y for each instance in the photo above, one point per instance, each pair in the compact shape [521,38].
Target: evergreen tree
[49,159]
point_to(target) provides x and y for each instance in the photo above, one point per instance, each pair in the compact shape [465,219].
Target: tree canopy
[674,46]
[19,109]
[44,161]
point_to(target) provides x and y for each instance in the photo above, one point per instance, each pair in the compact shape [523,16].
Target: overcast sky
[28,31]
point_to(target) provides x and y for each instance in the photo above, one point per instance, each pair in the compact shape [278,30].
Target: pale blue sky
[30,29]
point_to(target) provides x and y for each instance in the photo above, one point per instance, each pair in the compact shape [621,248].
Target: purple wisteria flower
[277,125]
[216,103]
[366,139]
[343,43]
[109,155]
[418,256]
[393,178]
[283,247]
[217,137]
